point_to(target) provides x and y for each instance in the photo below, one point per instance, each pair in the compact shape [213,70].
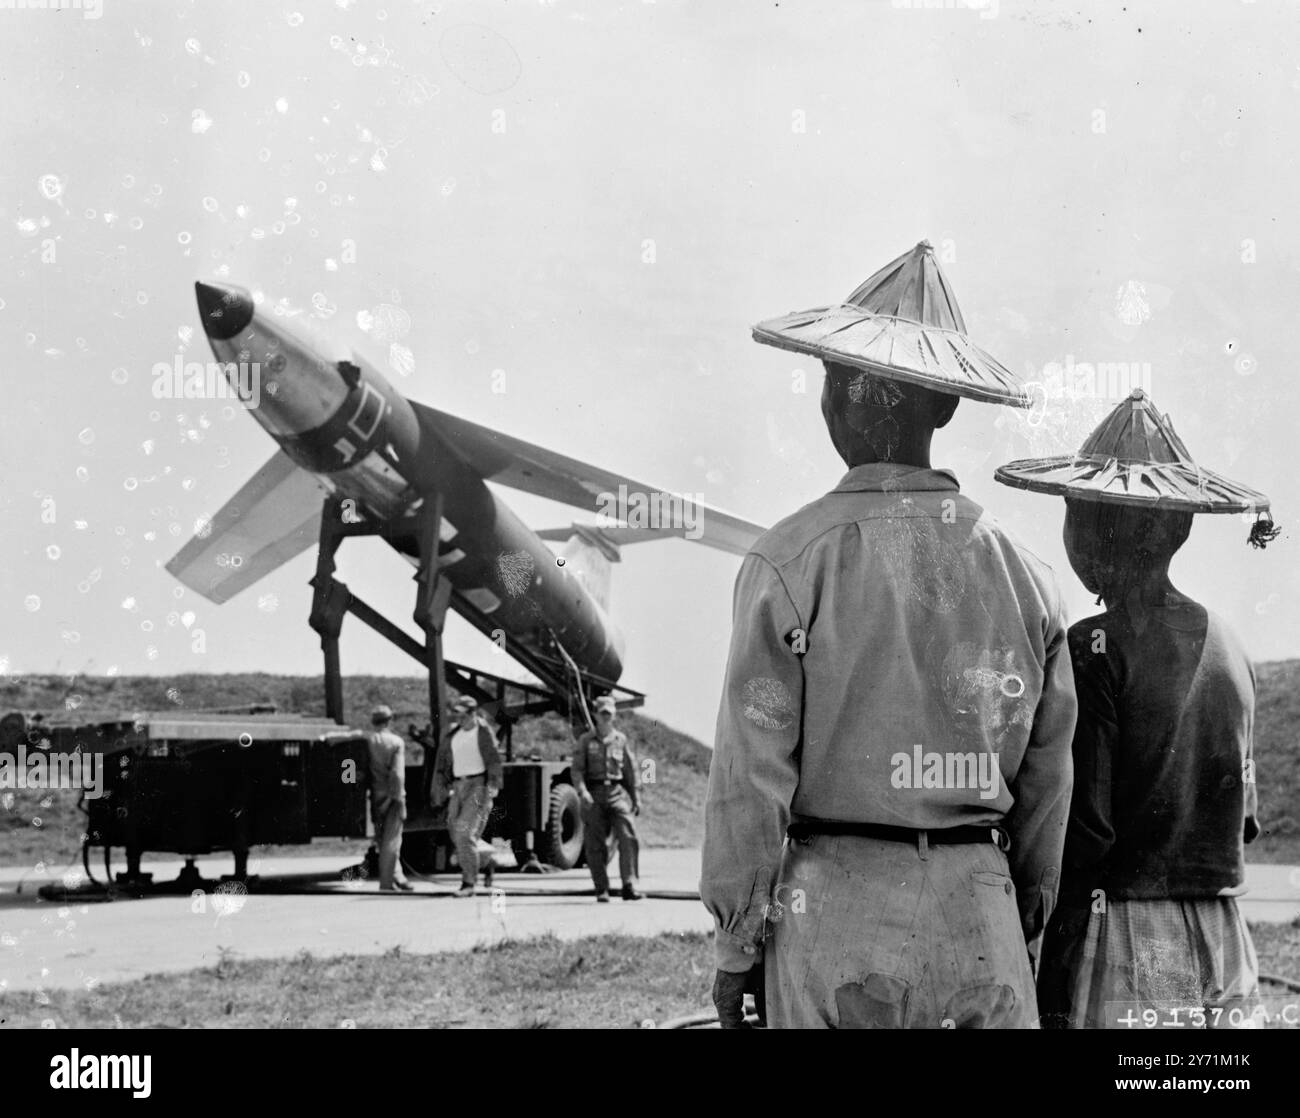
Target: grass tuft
[613,981]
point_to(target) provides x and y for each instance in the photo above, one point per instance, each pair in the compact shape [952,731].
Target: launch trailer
[195,783]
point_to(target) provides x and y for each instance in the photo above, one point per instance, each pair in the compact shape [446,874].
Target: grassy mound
[672,804]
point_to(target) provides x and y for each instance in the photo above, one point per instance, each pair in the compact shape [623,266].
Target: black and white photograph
[654,515]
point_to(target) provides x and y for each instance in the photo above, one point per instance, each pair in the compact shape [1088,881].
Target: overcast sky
[600,199]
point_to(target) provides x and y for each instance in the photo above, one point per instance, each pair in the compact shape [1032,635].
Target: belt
[602,780]
[473,776]
[807,828]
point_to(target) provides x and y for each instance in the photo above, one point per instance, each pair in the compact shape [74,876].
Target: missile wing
[274,517]
[544,473]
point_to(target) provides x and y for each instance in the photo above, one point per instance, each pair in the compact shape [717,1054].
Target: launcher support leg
[329,605]
[432,596]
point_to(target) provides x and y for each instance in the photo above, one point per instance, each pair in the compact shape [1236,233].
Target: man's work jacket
[387,753]
[896,658]
[443,775]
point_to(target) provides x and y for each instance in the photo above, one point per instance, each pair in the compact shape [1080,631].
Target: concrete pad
[1273,894]
[82,942]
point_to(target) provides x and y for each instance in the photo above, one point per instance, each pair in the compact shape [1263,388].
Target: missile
[344,422]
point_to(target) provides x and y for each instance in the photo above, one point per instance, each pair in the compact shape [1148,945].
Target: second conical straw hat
[903,323]
[1134,457]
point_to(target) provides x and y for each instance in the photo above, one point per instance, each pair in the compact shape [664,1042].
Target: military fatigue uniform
[607,767]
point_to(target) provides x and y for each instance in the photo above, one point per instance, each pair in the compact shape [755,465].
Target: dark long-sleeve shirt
[891,622]
[1164,792]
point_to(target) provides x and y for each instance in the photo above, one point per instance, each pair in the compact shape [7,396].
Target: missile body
[344,422]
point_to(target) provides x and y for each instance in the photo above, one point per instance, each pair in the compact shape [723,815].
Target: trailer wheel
[562,841]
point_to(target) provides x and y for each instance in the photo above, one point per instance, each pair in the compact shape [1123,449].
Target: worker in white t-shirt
[467,777]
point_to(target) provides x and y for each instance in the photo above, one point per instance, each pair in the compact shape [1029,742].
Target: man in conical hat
[1164,793]
[898,701]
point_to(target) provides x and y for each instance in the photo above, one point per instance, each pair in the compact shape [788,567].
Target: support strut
[329,605]
[332,601]
[432,596]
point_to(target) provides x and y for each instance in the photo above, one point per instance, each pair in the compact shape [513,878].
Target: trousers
[467,815]
[388,816]
[610,810]
[868,933]
[1190,959]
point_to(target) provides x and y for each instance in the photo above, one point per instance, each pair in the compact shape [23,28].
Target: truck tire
[562,839]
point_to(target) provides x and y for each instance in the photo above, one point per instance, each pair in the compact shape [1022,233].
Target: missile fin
[275,516]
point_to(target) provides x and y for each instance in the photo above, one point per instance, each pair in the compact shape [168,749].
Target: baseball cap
[606,703]
[381,713]
[465,703]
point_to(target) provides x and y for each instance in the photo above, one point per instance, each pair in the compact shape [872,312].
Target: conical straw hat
[1134,457]
[902,323]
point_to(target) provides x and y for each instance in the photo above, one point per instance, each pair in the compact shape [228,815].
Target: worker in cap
[387,753]
[605,775]
[467,776]
[1164,795]
[890,779]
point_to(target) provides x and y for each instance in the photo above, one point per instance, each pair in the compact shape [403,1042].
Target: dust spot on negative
[515,569]
[1159,969]
[1012,686]
[982,689]
[939,577]
[878,391]
[767,703]
[932,571]
[480,58]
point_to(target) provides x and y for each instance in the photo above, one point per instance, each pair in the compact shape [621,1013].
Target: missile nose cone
[225,311]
